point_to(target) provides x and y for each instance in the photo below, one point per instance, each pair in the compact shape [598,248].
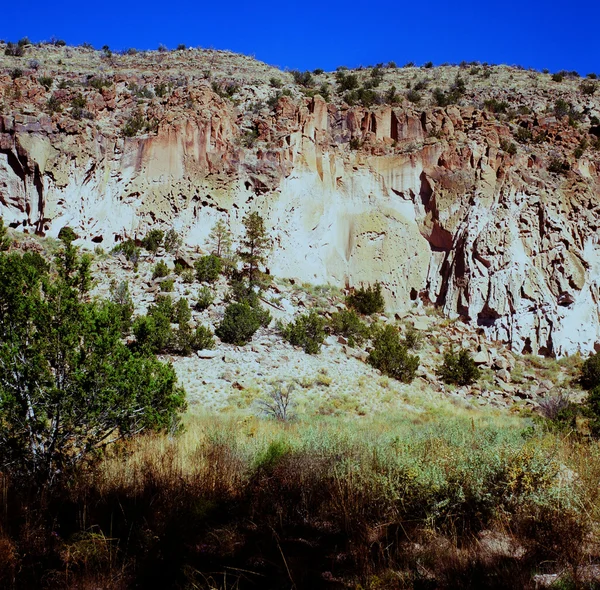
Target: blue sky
[307,35]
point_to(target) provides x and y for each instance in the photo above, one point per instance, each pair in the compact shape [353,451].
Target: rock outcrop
[429,201]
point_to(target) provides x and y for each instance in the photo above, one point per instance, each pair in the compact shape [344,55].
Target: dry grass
[465,501]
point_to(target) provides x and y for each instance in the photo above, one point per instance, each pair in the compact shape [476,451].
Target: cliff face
[427,201]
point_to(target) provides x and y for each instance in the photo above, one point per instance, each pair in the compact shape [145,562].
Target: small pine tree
[153,240]
[239,324]
[306,331]
[220,239]
[253,248]
[391,357]
[459,369]
[367,300]
[172,241]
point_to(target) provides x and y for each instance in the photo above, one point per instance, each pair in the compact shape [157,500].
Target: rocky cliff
[486,207]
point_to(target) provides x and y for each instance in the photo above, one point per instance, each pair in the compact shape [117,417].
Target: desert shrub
[239,324]
[160,270]
[182,313]
[14,50]
[495,106]
[306,331]
[203,339]
[560,411]
[367,300]
[414,96]
[208,268]
[46,81]
[188,276]
[590,372]
[53,105]
[588,87]
[137,123]
[153,240]
[302,78]
[120,296]
[558,166]
[67,234]
[167,286]
[508,146]
[205,299]
[129,250]
[523,135]
[16,73]
[390,355]
[458,369]
[275,83]
[172,241]
[413,339]
[345,81]
[5,241]
[558,77]
[98,83]
[348,324]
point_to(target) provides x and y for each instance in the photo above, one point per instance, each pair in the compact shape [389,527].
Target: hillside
[485,207]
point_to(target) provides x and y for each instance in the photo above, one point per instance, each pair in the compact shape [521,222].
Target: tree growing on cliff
[220,239]
[68,384]
[253,249]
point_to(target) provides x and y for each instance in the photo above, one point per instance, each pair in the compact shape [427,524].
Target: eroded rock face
[429,205]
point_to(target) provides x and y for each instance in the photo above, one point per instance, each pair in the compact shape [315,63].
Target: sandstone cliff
[440,204]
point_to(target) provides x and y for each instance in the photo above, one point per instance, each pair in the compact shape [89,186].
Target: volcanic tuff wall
[429,204]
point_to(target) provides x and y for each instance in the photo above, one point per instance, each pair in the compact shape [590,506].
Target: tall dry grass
[432,501]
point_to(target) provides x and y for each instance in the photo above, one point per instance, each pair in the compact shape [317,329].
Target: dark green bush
[46,81]
[348,324]
[590,372]
[160,270]
[495,106]
[558,166]
[203,339]
[239,324]
[391,356]
[66,234]
[459,369]
[16,73]
[208,268]
[523,135]
[367,300]
[306,331]
[302,78]
[167,285]
[153,240]
[508,146]
[205,299]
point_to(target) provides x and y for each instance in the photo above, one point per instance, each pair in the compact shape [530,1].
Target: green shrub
[348,324]
[53,105]
[205,299]
[306,331]
[67,234]
[46,81]
[558,166]
[129,250]
[495,106]
[188,276]
[413,96]
[367,300]
[172,241]
[588,87]
[208,268]
[391,357]
[558,77]
[153,240]
[302,78]
[16,73]
[508,146]
[153,333]
[168,286]
[160,270]
[239,324]
[590,372]
[182,312]
[413,339]
[203,339]
[459,369]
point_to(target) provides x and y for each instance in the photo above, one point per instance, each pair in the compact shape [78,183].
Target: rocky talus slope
[486,207]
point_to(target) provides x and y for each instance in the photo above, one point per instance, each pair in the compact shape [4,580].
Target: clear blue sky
[325,34]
